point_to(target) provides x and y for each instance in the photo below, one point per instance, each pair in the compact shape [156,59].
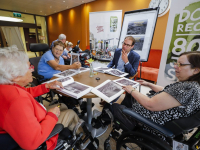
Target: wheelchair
[67,140]
[174,133]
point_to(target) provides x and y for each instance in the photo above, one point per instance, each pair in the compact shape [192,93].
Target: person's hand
[128,88]
[124,56]
[68,55]
[142,82]
[55,110]
[65,57]
[76,65]
[54,85]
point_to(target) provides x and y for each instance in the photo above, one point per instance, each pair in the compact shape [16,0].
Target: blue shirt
[44,68]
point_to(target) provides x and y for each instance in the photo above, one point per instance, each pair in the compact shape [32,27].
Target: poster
[182,34]
[105,27]
[139,24]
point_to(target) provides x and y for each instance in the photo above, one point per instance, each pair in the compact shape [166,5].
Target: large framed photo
[74,58]
[139,24]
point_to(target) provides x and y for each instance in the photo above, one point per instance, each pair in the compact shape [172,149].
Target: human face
[63,40]
[127,45]
[57,51]
[27,78]
[183,72]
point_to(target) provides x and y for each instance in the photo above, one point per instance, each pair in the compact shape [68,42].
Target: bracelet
[132,90]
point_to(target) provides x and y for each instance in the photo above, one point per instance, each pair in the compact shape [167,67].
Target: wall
[75,22]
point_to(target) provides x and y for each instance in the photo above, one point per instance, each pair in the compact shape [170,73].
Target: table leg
[88,119]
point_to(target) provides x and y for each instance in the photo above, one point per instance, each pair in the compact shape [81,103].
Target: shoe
[102,103]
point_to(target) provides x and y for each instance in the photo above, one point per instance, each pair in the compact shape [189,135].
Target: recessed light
[82,1]
[50,6]
[45,14]
[25,10]
[40,11]
[63,1]
[54,11]
[67,6]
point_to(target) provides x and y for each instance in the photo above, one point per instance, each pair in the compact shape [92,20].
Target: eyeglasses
[180,64]
[126,44]
[31,67]
[58,49]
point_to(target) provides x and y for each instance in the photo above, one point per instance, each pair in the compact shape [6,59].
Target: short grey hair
[62,37]
[13,63]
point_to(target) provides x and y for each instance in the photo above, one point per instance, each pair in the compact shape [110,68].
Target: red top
[23,118]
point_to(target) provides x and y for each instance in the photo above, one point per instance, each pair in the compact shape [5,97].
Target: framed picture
[74,58]
[140,24]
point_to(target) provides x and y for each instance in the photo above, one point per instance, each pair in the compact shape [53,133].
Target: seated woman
[21,116]
[52,62]
[66,53]
[177,100]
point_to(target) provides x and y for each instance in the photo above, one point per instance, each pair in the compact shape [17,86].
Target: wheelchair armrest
[57,129]
[149,123]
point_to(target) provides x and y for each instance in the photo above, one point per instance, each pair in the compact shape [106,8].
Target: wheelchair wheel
[140,141]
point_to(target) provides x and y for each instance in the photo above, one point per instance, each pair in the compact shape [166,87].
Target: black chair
[175,130]
[7,142]
[38,47]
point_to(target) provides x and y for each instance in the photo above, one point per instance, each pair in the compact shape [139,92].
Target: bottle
[91,70]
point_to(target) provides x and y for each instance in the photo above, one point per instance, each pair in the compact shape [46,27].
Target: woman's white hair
[13,63]
[62,36]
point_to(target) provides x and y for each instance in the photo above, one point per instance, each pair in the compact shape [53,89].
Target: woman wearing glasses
[52,62]
[177,100]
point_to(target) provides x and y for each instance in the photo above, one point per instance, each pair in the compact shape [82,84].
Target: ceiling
[40,7]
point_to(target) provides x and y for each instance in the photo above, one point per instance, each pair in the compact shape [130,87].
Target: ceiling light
[40,11]
[82,1]
[25,10]
[63,1]
[50,6]
[10,19]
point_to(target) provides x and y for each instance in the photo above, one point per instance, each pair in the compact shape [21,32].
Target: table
[84,78]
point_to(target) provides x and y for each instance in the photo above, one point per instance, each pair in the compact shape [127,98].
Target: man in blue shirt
[61,37]
[52,62]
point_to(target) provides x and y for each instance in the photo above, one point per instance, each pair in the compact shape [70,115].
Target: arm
[43,88]
[159,102]
[152,86]
[23,125]
[132,66]
[111,64]
[57,66]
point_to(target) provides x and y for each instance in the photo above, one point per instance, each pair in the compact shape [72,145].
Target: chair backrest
[38,47]
[34,61]
[183,124]
[7,142]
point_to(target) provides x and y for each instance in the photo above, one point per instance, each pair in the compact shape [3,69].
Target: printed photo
[64,79]
[126,82]
[137,27]
[75,87]
[139,41]
[110,89]
[74,58]
[116,72]
[67,73]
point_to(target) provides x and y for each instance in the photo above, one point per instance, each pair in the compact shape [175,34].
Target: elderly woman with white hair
[21,116]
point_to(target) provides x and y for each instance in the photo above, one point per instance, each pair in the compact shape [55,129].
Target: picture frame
[140,24]
[74,58]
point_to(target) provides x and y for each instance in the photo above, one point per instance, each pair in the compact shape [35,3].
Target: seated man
[61,37]
[52,62]
[126,59]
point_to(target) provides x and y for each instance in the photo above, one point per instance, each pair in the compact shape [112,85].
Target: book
[110,90]
[72,88]
[114,72]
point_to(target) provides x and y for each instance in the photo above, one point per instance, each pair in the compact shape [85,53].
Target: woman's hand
[128,88]
[142,82]
[55,110]
[54,85]
[65,57]
[76,65]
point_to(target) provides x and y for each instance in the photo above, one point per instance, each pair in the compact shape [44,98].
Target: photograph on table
[74,58]
[66,73]
[114,72]
[126,81]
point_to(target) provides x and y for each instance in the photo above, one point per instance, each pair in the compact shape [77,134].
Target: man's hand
[124,56]
[76,65]
[65,57]
[55,110]
[54,85]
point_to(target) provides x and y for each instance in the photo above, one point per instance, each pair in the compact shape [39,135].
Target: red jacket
[23,118]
